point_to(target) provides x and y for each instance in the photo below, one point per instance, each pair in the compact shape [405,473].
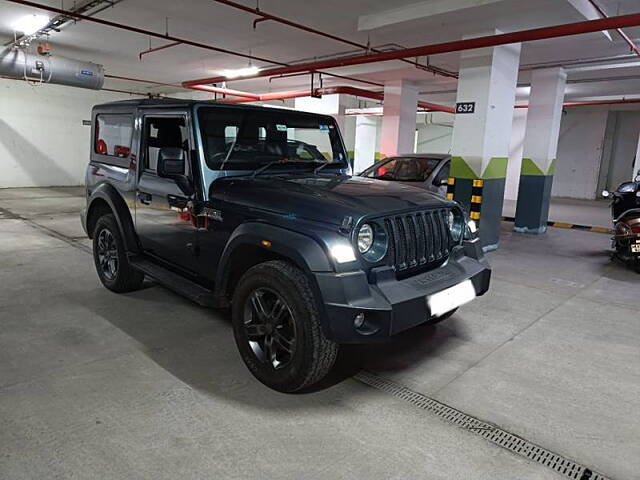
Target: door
[164,229]
[438,184]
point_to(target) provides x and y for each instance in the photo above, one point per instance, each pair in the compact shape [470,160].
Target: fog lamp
[358,321]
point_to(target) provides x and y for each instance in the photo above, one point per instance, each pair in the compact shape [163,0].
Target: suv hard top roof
[179,102]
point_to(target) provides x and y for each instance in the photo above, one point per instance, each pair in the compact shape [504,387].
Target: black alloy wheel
[269,327]
[107,254]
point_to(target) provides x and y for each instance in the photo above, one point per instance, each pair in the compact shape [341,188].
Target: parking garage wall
[43,141]
[580,152]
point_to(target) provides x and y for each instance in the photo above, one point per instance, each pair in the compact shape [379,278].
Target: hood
[323,197]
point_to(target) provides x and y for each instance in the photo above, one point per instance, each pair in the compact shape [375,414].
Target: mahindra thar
[254,209]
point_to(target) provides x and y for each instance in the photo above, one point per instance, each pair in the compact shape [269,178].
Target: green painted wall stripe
[497,168]
[460,169]
[530,167]
[552,168]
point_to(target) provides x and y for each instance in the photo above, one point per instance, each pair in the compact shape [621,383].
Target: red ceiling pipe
[157,49]
[150,33]
[141,31]
[205,88]
[569,29]
[284,21]
[357,92]
[227,91]
[625,37]
[140,80]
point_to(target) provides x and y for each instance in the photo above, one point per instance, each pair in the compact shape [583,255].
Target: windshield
[404,169]
[247,139]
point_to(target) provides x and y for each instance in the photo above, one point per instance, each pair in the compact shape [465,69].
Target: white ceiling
[210,22]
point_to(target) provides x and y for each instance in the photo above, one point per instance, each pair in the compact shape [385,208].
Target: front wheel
[276,325]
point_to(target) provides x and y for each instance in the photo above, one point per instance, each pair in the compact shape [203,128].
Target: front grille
[418,240]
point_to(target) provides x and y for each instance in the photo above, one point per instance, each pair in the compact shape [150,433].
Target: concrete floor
[594,213]
[96,385]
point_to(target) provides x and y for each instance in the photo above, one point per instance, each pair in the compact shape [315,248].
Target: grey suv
[253,209]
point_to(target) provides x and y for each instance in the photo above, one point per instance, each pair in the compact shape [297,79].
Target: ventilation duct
[20,64]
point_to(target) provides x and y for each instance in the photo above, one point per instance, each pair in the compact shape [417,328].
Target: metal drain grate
[492,433]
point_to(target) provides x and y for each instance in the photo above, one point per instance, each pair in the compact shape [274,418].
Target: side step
[179,284]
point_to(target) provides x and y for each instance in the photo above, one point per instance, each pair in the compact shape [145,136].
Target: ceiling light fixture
[30,24]
[240,72]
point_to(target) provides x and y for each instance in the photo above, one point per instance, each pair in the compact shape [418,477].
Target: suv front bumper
[389,305]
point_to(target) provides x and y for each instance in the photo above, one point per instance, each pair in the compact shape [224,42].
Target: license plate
[635,248]
[453,297]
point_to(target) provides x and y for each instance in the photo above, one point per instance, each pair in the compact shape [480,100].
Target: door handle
[144,197]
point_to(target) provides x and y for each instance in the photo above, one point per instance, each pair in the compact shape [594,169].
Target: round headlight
[456,225]
[365,238]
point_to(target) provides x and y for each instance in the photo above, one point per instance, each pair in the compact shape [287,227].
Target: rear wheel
[276,325]
[110,257]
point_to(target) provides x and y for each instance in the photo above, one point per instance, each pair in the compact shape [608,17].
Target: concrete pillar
[540,149]
[399,118]
[636,163]
[365,144]
[480,145]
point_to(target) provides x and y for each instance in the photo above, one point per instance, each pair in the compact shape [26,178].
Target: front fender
[301,249]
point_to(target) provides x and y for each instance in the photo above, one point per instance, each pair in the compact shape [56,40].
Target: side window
[113,135]
[162,132]
[443,174]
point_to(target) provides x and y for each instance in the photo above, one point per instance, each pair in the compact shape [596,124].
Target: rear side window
[113,135]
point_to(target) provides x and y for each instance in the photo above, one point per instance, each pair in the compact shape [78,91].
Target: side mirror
[606,193]
[440,183]
[171,162]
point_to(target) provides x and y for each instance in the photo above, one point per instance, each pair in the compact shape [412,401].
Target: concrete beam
[415,11]
[588,11]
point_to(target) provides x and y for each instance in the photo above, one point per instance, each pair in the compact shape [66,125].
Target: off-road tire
[126,278]
[313,355]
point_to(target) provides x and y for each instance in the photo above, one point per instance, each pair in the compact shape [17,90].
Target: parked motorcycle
[625,210]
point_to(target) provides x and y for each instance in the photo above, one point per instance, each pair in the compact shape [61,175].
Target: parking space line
[572,226]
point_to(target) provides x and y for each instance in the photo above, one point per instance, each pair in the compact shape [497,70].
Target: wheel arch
[106,199]
[245,249]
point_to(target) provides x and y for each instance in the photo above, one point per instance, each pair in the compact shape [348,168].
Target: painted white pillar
[399,118]
[334,105]
[365,143]
[636,163]
[516,148]
[480,146]
[540,148]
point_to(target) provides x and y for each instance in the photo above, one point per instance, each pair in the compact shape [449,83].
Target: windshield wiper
[325,164]
[278,162]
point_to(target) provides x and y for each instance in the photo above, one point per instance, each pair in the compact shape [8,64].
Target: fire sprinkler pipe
[163,36]
[227,91]
[141,31]
[345,90]
[157,49]
[544,33]
[625,37]
[267,16]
